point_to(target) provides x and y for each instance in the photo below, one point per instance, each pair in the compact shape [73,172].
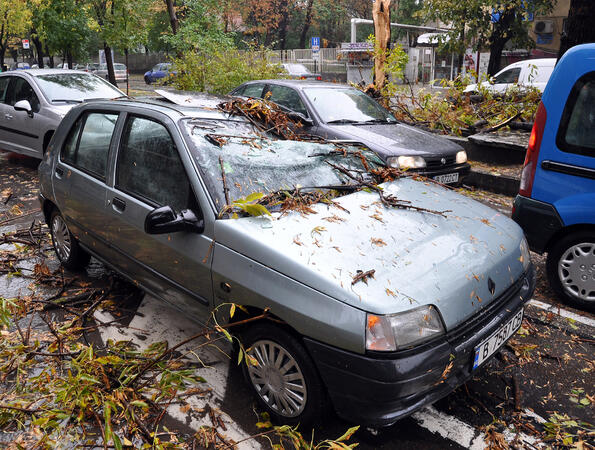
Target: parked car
[120,71]
[159,71]
[298,71]
[337,111]
[19,66]
[556,201]
[381,310]
[529,73]
[33,102]
[89,67]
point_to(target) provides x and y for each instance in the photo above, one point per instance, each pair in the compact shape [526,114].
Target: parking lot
[537,391]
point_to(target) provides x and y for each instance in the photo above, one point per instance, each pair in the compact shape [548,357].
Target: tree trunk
[111,76]
[69,59]
[579,26]
[381,16]
[173,18]
[283,23]
[127,81]
[39,47]
[307,23]
[499,38]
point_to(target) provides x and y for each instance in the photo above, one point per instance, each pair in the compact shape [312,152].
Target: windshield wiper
[66,100]
[343,121]
[377,121]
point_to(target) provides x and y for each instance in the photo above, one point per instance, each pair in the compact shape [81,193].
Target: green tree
[580,29]
[15,20]
[486,23]
[64,26]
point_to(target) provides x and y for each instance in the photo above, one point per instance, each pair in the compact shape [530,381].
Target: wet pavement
[538,391]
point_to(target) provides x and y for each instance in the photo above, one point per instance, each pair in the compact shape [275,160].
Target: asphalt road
[509,401]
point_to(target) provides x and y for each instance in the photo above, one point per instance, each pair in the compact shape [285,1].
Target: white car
[120,71]
[529,73]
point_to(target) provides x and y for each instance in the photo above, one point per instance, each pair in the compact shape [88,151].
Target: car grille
[436,162]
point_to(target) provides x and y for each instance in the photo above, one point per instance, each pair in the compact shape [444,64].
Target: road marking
[157,322]
[449,427]
[563,312]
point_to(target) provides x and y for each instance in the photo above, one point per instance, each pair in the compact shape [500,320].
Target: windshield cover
[347,104]
[253,163]
[76,87]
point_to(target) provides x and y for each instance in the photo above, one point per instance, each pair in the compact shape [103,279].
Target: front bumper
[379,389]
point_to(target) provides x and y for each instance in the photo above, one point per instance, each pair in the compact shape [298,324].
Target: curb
[499,184]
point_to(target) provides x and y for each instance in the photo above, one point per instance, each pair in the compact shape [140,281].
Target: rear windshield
[76,87]
[253,163]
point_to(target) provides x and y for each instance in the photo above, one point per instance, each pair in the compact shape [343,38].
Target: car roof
[203,106]
[38,72]
[300,84]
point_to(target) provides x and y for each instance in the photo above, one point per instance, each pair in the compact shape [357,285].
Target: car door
[6,113]
[80,175]
[23,133]
[150,173]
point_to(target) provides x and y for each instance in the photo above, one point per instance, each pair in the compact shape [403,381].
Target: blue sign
[315,43]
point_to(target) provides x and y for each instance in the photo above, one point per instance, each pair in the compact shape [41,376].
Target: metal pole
[452,64]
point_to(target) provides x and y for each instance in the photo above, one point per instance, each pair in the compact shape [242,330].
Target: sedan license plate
[491,345]
[447,178]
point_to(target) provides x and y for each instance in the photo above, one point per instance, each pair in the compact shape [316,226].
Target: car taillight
[319,78]
[532,154]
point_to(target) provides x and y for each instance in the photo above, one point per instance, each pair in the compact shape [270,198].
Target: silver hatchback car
[378,310]
[33,102]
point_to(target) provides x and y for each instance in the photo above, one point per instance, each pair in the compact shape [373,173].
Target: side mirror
[164,220]
[299,117]
[24,105]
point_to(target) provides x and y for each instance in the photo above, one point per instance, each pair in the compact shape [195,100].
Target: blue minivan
[556,201]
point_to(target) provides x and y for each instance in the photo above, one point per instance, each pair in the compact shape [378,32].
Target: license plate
[492,344]
[447,178]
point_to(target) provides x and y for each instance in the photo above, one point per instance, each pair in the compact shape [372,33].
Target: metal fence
[328,64]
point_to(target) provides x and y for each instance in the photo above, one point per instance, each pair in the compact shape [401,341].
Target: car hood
[396,139]
[418,258]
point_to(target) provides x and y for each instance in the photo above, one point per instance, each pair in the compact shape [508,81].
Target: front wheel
[283,376]
[147,80]
[67,248]
[571,269]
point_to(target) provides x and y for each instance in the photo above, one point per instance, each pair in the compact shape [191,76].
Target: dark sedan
[336,111]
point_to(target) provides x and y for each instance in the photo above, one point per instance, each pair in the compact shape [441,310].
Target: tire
[67,248]
[571,269]
[147,80]
[306,400]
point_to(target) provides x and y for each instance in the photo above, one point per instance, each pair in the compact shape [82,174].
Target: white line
[563,312]
[449,427]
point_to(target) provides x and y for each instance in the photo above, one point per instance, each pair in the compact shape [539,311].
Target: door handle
[59,172]
[118,204]
[7,116]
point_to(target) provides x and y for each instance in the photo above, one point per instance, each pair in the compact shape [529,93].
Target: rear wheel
[67,248]
[571,269]
[285,379]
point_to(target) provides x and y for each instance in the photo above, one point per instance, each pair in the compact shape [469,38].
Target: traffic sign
[25,43]
[315,44]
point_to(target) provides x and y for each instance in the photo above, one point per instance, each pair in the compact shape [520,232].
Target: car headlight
[461,157]
[406,162]
[397,331]
[525,257]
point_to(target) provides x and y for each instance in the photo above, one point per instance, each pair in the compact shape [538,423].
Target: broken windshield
[234,157]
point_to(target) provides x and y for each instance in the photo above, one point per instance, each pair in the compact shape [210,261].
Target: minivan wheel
[67,248]
[285,380]
[571,269]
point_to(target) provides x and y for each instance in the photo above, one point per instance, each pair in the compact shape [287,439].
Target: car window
[149,166]
[577,127]
[88,149]
[20,89]
[288,97]
[508,76]
[119,67]
[252,90]
[3,88]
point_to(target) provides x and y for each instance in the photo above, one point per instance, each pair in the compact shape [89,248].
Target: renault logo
[443,161]
[491,286]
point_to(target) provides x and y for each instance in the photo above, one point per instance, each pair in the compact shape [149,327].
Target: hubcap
[576,270]
[61,237]
[278,379]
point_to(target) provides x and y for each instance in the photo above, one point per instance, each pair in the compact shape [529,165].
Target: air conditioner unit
[543,26]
